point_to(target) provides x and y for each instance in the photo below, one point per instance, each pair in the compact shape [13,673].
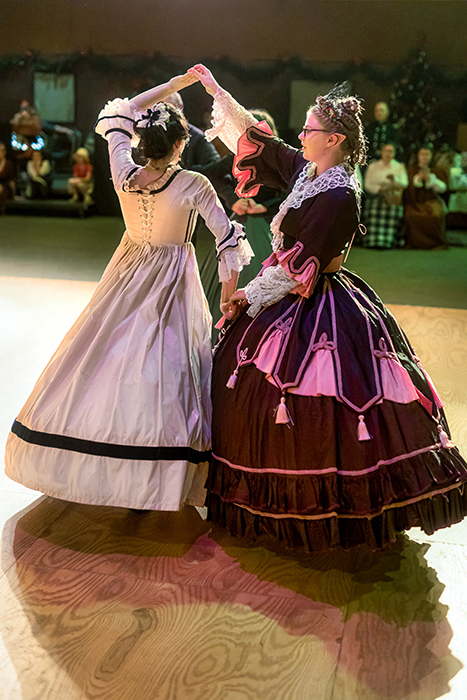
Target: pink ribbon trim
[345,516]
[331,470]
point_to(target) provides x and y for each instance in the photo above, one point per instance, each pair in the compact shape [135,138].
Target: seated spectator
[424,210]
[458,184]
[26,136]
[7,177]
[39,177]
[80,185]
[385,179]
[380,132]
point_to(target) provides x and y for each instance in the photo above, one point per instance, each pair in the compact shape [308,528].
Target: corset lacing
[145,203]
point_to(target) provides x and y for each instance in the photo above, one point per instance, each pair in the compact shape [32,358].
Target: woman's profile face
[313,137]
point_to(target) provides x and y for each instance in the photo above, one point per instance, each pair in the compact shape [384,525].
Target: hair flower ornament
[155,116]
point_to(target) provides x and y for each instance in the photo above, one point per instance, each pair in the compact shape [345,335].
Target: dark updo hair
[340,113]
[157,141]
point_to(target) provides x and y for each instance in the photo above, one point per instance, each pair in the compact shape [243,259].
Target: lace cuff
[272,286]
[117,115]
[304,275]
[233,252]
[229,120]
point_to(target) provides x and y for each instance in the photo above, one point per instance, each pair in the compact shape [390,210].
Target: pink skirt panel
[319,377]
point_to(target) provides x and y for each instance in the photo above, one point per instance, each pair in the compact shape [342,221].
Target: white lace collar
[307,186]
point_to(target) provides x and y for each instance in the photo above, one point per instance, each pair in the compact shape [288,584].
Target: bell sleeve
[324,226]
[261,158]
[115,123]
[229,120]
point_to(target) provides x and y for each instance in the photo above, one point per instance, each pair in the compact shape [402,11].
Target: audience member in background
[26,127]
[39,175]
[385,179]
[7,177]
[380,131]
[458,184]
[80,185]
[424,210]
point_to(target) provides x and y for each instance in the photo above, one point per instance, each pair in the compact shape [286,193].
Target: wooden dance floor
[110,604]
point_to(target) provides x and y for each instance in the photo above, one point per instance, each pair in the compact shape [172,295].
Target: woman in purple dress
[326,428]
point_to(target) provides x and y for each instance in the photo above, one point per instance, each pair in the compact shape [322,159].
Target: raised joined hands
[178,82]
[205,77]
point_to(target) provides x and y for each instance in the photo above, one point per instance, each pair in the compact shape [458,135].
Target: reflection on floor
[110,604]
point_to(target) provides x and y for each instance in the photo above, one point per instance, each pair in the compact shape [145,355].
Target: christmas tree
[413,103]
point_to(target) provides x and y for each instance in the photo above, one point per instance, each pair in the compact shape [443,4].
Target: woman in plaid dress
[382,214]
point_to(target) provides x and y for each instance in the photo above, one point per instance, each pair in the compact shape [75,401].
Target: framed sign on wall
[54,96]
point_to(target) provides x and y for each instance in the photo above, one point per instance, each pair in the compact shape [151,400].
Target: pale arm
[161,92]
[229,119]
[229,308]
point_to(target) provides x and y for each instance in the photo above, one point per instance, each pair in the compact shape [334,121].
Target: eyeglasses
[307,130]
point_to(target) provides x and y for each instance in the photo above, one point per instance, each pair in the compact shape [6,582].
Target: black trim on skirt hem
[104,449]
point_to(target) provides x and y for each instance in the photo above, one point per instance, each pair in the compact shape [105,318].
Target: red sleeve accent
[246,174]
[305,275]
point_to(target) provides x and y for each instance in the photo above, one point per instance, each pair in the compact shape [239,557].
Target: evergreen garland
[146,65]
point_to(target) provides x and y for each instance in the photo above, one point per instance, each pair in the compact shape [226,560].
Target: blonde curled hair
[340,113]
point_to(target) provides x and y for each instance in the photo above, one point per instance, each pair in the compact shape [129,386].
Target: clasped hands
[198,72]
[235,305]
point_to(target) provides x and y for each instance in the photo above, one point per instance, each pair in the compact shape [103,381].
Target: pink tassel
[363,433]
[443,437]
[282,414]
[232,380]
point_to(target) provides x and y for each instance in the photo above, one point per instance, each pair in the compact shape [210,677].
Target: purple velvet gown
[326,428]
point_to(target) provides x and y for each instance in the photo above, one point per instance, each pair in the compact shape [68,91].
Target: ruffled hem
[430,514]
[233,252]
[331,492]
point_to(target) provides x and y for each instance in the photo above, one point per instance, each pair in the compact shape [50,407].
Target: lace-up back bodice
[165,212]
[162,211]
